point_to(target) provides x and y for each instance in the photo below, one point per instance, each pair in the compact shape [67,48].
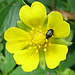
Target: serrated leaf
[7,63]
[67,71]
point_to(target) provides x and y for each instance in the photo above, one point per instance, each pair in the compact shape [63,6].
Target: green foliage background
[9,15]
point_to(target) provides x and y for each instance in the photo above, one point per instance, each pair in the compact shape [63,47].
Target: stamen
[40,30]
[38,39]
[46,40]
[45,49]
[30,47]
[37,29]
[35,47]
[27,33]
[27,42]
[41,42]
[31,32]
[30,43]
[40,27]
[39,46]
[33,28]
[45,45]
[37,51]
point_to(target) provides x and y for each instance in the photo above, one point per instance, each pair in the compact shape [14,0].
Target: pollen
[38,39]
[37,51]
[45,49]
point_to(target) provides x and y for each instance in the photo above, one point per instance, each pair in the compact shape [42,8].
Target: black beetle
[49,33]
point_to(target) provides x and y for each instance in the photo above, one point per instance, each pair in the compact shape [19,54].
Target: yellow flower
[26,46]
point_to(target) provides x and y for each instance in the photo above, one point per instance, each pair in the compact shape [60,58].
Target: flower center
[38,38]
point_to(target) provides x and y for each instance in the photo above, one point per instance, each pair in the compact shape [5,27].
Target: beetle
[49,33]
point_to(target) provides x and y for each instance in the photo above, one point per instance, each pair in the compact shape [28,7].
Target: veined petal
[61,28]
[33,16]
[28,58]
[54,54]
[16,46]
[16,34]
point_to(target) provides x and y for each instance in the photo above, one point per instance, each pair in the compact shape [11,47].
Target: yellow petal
[15,34]
[16,38]
[16,46]
[33,16]
[28,58]
[61,28]
[54,54]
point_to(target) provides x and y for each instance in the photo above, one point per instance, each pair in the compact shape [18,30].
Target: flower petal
[61,28]
[55,54]
[33,16]
[16,34]
[28,58]
[16,46]
[17,39]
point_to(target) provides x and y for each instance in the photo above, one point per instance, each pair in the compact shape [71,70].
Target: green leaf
[19,71]
[21,25]
[67,71]
[10,1]
[7,63]
[0,39]
[9,16]
[71,4]
[1,46]
[1,1]
[61,5]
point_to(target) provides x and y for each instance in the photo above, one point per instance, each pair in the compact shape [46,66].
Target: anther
[42,42]
[45,45]
[31,32]
[27,33]
[27,42]
[37,29]
[45,49]
[33,28]
[37,51]
[46,40]
[30,47]
[30,43]
[39,46]
[40,27]
[40,30]
[35,47]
